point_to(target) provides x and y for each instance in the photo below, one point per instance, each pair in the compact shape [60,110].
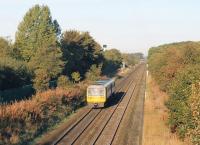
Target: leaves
[112,61]
[80,51]
[37,30]
[29,118]
[176,68]
[76,76]
[94,73]
[63,81]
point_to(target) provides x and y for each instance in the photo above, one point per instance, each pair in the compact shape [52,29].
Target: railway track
[99,126]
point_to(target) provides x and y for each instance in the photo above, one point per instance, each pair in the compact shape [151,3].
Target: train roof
[104,82]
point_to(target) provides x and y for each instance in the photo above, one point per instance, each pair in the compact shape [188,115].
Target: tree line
[176,67]
[41,53]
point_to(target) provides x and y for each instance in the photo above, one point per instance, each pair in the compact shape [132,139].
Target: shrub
[176,68]
[76,76]
[22,121]
[194,101]
[63,81]
[94,73]
[13,73]
[41,80]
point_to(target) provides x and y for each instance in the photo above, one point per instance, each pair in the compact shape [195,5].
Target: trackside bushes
[22,121]
[176,68]
[180,101]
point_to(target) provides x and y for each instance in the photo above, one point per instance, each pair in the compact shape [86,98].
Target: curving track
[100,126]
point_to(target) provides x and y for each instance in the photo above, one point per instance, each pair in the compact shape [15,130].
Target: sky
[128,25]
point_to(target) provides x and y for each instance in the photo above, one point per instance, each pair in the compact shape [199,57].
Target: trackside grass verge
[156,131]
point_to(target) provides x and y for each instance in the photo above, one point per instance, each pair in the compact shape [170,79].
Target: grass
[156,131]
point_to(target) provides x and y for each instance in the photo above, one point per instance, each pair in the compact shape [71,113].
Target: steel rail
[118,88]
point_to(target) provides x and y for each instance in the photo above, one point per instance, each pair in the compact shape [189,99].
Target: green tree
[37,42]
[46,61]
[37,30]
[13,73]
[80,51]
[112,61]
[41,80]
[63,81]
[5,48]
[76,76]
[94,72]
[130,59]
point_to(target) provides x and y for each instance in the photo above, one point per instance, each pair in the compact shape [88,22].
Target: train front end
[96,96]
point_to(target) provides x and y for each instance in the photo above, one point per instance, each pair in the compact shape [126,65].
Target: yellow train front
[99,92]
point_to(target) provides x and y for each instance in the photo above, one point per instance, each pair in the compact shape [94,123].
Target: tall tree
[37,30]
[80,51]
[37,41]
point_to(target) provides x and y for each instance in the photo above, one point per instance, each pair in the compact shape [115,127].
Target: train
[99,92]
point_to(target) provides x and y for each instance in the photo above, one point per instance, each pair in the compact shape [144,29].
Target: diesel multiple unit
[99,92]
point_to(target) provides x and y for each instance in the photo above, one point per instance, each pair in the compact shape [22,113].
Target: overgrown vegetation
[176,68]
[40,54]
[42,71]
[22,121]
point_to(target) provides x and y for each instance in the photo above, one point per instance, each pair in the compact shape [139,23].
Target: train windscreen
[96,92]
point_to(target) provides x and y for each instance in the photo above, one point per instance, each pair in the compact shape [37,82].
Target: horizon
[130,26]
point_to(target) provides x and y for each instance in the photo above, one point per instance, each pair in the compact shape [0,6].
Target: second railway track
[99,126]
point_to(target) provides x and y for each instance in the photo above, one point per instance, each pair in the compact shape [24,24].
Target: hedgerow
[176,68]
[22,121]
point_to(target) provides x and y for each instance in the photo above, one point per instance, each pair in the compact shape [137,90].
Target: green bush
[176,68]
[63,81]
[94,73]
[13,73]
[76,76]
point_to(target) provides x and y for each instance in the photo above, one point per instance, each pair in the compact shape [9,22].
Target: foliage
[194,101]
[94,73]
[39,57]
[40,54]
[46,69]
[63,81]
[37,42]
[16,94]
[13,73]
[176,68]
[80,51]
[112,61]
[37,30]
[22,121]
[41,81]
[5,47]
[76,76]
[130,59]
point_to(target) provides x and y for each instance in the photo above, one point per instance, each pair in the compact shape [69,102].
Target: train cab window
[96,91]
